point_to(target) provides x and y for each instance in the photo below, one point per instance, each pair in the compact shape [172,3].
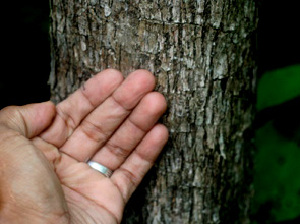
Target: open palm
[44,151]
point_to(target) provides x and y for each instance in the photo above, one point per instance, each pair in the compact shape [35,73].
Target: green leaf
[276,178]
[277,86]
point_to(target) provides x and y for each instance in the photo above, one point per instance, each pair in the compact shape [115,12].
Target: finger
[127,137]
[29,120]
[132,171]
[71,111]
[95,130]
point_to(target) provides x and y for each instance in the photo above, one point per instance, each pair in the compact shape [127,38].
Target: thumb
[29,120]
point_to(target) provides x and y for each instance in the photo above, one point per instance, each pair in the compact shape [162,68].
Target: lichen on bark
[203,56]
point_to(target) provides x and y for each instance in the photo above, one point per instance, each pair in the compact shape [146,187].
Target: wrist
[13,214]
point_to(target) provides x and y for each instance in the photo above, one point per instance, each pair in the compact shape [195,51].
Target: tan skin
[44,148]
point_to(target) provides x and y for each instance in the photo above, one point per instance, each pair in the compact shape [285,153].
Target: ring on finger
[99,167]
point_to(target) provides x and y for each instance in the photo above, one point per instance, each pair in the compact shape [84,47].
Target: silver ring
[102,169]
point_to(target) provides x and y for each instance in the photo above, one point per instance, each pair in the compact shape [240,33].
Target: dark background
[25,64]
[25,57]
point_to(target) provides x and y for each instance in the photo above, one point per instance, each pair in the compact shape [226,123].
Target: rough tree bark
[202,53]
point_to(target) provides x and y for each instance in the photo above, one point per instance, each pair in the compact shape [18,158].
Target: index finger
[77,106]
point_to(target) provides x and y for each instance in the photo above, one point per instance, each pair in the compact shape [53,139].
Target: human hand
[44,149]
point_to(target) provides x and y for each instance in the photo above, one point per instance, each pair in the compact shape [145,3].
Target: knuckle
[66,117]
[130,177]
[118,151]
[93,131]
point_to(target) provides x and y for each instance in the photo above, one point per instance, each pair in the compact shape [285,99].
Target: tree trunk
[202,53]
